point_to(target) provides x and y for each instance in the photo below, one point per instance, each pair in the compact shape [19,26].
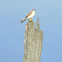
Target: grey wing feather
[23,20]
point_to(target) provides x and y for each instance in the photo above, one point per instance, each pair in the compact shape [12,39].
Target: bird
[29,16]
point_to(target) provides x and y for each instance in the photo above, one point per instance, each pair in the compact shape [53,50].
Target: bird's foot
[31,20]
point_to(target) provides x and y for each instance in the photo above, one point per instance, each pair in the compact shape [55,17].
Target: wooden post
[33,42]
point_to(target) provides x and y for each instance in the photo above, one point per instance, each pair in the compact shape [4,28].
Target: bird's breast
[33,13]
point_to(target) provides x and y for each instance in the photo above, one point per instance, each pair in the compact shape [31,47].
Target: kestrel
[29,16]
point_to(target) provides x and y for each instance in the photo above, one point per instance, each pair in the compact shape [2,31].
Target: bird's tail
[23,20]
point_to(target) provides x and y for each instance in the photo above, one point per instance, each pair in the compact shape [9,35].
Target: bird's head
[33,9]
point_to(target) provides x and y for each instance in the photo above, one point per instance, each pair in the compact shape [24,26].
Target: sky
[12,32]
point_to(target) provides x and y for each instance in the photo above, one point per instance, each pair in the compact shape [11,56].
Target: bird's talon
[31,20]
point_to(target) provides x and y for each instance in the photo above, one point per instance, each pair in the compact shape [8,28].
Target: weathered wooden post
[33,42]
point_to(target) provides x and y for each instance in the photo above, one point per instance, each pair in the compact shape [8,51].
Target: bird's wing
[29,14]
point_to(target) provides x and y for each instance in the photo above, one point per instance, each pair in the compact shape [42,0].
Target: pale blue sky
[12,31]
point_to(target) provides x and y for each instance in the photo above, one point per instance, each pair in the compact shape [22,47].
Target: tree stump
[33,42]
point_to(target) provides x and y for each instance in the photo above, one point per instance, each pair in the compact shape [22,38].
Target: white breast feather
[33,13]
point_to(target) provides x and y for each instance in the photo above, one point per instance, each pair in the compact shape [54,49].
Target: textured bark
[33,42]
